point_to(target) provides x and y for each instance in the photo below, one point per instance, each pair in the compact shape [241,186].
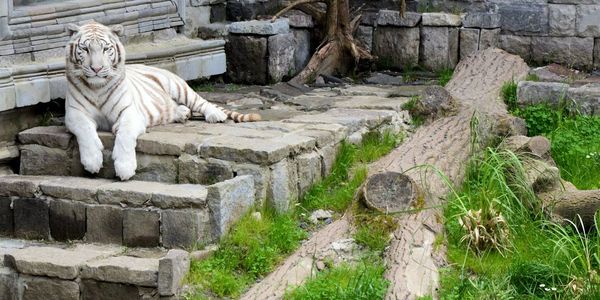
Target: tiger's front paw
[125,169]
[214,115]
[91,159]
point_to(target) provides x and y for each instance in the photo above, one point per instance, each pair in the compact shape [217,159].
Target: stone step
[35,270]
[131,213]
[284,157]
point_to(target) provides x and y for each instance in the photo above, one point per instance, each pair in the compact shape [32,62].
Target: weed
[362,281]
[373,229]
[509,94]
[532,77]
[203,87]
[411,107]
[444,76]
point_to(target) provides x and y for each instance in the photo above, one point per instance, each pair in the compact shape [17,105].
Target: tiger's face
[95,52]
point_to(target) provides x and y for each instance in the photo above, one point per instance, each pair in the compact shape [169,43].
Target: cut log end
[390,192]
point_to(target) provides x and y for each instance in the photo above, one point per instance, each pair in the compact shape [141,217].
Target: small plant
[485,230]
[411,107]
[532,77]
[509,94]
[444,76]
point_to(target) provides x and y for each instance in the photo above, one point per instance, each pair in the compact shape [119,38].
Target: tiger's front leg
[90,146]
[127,128]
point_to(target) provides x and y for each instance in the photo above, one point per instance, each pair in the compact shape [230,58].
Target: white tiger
[105,94]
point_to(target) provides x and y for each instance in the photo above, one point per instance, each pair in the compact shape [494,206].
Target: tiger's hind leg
[182,114]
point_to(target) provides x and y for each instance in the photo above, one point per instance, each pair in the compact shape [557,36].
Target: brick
[141,228]
[67,220]
[104,224]
[31,218]
[185,228]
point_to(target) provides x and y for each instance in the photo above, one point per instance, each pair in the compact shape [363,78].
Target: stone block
[530,92]
[247,59]
[396,47]
[40,160]
[36,288]
[104,224]
[8,153]
[245,149]
[298,19]
[96,290]
[561,19]
[441,19]
[129,193]
[194,17]
[193,169]
[184,228]
[518,45]
[248,10]
[32,91]
[281,56]
[172,269]
[489,38]
[352,119]
[261,175]
[123,269]
[165,143]
[53,261]
[302,49]
[392,18]
[309,171]
[141,228]
[572,51]
[74,188]
[31,218]
[439,48]
[283,188]
[482,20]
[529,19]
[49,136]
[8,283]
[158,168]
[218,13]
[67,220]
[469,41]
[587,98]
[6,217]
[228,201]
[364,37]
[587,20]
[9,98]
[20,185]
[597,53]
[260,27]
[58,87]
[213,31]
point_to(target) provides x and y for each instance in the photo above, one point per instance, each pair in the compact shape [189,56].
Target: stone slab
[49,136]
[392,18]
[247,59]
[373,102]
[562,19]
[572,51]
[31,218]
[281,56]
[185,228]
[309,171]
[353,119]
[36,288]
[302,49]
[441,19]
[396,47]
[8,283]
[283,188]
[245,149]
[180,196]
[157,168]
[123,269]
[364,37]
[104,224]
[19,185]
[171,271]
[530,92]
[482,20]
[96,290]
[229,201]
[469,41]
[67,220]
[132,193]
[196,170]
[439,48]
[489,38]
[141,228]
[41,160]
[74,188]
[260,27]
[6,217]
[587,20]
[518,45]
[531,19]
[165,143]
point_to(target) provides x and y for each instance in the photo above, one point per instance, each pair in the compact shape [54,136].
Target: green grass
[541,260]
[411,106]
[254,247]
[444,76]
[508,91]
[532,77]
[362,281]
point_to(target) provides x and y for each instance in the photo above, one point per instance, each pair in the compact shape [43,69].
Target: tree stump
[390,192]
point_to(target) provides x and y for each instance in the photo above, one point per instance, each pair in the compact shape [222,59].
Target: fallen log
[444,146]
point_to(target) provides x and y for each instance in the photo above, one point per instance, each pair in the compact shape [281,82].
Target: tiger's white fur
[105,94]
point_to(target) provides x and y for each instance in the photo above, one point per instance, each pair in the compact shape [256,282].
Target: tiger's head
[94,53]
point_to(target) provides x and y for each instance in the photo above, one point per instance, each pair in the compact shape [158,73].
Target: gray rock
[441,19]
[561,19]
[489,38]
[587,98]
[364,37]
[396,47]
[571,51]
[31,219]
[266,27]
[180,196]
[92,289]
[184,228]
[369,18]
[8,153]
[392,18]
[247,59]
[281,56]
[597,53]
[546,74]
[6,217]
[133,193]
[353,119]
[213,31]
[587,20]
[439,48]
[261,175]
[193,169]
[302,50]
[298,19]
[8,283]
[104,224]
[19,185]
[218,12]
[311,103]
[123,269]
[384,79]
[518,45]
[74,188]
[159,168]
[141,228]
[49,136]
[529,92]
[284,185]
[171,270]
[165,143]
[482,20]
[469,41]
[319,215]
[67,220]
[524,19]
[309,171]
[41,160]
[35,288]
[54,262]
[228,201]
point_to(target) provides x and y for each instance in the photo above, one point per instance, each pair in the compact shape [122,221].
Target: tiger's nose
[96,69]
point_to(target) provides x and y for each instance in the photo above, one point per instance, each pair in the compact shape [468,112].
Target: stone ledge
[266,27]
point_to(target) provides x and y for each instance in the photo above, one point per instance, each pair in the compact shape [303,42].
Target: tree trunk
[443,147]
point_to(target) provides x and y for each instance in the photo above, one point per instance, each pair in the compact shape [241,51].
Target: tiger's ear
[72,29]
[117,29]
